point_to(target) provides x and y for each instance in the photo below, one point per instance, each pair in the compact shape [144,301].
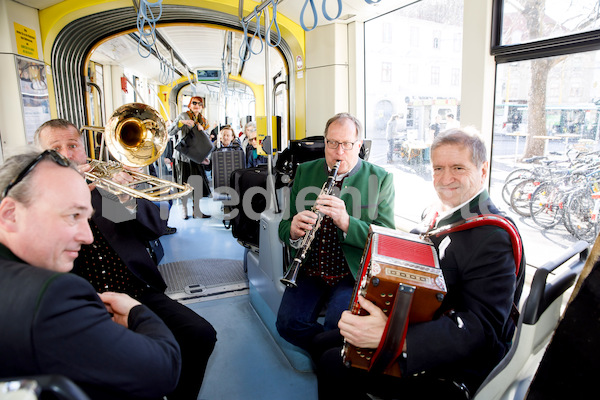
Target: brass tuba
[135,136]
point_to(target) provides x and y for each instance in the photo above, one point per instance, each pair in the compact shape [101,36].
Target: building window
[436,39]
[455,77]
[386,72]
[386,31]
[414,36]
[435,76]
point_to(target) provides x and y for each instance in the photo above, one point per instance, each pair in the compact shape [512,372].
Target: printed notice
[26,41]
[34,94]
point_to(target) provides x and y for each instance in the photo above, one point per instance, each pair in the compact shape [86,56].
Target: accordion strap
[487,219]
[390,346]
[495,220]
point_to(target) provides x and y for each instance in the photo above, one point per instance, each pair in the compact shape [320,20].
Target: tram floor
[247,363]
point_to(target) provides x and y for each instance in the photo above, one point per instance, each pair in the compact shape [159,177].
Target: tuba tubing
[291,275]
[135,136]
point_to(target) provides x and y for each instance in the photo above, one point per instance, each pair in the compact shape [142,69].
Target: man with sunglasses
[253,159]
[55,322]
[119,261]
[364,195]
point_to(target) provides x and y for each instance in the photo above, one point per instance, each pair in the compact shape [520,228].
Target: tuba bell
[135,136]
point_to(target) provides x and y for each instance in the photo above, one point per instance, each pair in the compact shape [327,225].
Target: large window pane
[413,74]
[530,20]
[547,110]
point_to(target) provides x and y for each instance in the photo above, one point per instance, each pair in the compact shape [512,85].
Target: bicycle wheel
[579,216]
[521,196]
[512,179]
[546,206]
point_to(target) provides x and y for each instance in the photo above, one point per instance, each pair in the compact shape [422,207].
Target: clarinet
[289,279]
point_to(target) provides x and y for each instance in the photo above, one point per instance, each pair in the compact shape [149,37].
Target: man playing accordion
[452,354]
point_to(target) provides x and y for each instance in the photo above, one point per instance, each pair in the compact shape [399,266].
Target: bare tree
[534,11]
[538,24]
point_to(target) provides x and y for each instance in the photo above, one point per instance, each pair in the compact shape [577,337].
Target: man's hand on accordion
[363,331]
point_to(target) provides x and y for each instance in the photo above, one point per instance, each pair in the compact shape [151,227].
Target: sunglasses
[51,154]
[196,103]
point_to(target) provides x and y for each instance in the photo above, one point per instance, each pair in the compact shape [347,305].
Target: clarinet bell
[289,279]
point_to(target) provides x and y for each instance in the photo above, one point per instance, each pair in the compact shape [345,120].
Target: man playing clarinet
[363,195]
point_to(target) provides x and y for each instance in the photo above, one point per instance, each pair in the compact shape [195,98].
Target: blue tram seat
[265,269]
[43,386]
[538,320]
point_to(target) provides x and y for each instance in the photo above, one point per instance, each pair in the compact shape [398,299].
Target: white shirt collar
[444,214]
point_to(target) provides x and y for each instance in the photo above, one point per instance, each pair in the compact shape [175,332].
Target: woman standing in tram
[183,166]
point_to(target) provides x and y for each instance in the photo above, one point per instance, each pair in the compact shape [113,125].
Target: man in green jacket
[363,195]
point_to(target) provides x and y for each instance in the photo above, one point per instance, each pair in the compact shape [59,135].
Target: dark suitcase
[299,151]
[245,225]
[224,162]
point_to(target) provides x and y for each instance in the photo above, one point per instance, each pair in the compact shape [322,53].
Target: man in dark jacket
[470,333]
[55,322]
[118,260]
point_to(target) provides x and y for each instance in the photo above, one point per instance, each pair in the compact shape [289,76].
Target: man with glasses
[364,195]
[55,322]
[119,261]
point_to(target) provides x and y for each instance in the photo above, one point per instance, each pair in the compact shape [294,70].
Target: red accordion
[400,273]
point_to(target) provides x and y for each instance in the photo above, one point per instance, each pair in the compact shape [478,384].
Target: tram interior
[200,50]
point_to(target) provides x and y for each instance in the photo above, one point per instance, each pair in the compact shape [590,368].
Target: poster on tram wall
[34,94]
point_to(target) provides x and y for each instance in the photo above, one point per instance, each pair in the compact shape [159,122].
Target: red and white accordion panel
[400,273]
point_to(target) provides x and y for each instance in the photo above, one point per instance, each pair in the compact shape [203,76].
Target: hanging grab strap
[315,16]
[327,17]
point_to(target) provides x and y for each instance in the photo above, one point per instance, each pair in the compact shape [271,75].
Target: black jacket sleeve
[75,336]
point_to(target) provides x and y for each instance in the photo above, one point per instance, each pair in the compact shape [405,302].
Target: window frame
[557,46]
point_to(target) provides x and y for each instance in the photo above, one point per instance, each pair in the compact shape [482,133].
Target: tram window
[417,87]
[544,109]
[547,106]
[520,25]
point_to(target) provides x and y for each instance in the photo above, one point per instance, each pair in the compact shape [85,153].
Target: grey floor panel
[205,272]
[247,364]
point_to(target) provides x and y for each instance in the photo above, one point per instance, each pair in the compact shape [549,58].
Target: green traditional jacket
[367,190]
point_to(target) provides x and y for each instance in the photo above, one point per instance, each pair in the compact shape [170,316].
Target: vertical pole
[268,84]
[269,114]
